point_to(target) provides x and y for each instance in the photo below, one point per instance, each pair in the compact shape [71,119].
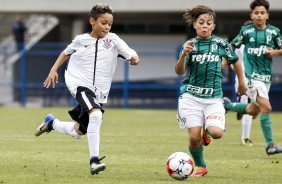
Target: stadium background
[155,29]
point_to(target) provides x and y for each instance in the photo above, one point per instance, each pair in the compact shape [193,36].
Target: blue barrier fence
[126,89]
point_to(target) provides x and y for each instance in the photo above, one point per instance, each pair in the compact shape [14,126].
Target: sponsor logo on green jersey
[208,56]
[257,51]
[199,91]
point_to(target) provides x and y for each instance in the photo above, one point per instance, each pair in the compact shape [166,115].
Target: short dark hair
[193,14]
[256,3]
[99,9]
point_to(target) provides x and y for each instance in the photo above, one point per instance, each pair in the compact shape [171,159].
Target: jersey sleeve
[229,54]
[124,50]
[71,48]
[239,52]
[278,40]
[238,40]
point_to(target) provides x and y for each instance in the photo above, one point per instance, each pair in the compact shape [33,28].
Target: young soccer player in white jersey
[92,62]
[262,41]
[200,105]
[246,118]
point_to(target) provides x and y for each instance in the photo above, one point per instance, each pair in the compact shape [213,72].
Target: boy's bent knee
[252,110]
[266,110]
[215,133]
[75,135]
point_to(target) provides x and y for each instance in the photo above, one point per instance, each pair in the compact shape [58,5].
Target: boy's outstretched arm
[53,77]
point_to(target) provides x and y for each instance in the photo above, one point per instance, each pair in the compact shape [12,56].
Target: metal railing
[126,91]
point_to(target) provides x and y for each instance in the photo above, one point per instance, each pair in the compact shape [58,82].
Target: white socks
[93,133]
[246,126]
[65,128]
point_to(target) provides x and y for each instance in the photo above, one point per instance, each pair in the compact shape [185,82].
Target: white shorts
[194,111]
[258,87]
[244,98]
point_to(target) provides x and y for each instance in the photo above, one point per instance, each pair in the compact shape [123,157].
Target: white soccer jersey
[93,62]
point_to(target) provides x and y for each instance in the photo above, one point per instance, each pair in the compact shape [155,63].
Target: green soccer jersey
[203,66]
[257,65]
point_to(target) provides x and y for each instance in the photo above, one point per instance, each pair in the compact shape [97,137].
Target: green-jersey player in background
[262,41]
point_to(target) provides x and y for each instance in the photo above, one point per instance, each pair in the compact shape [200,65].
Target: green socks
[198,156]
[236,107]
[266,127]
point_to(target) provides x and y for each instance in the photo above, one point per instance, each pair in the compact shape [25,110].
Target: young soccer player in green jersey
[200,105]
[262,41]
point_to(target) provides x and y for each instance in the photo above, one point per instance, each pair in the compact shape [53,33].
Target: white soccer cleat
[246,142]
[44,126]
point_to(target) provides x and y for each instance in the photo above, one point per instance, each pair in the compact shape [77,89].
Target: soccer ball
[180,165]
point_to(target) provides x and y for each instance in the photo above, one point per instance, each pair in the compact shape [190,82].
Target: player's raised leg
[50,123]
[45,126]
[206,138]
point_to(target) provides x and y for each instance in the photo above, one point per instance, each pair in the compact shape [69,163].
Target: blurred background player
[246,118]
[262,41]
[92,62]
[200,105]
[19,29]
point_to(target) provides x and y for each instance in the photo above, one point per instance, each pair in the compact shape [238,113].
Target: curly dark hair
[99,9]
[191,15]
[256,3]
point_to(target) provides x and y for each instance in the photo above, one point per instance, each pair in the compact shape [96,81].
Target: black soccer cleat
[273,148]
[225,102]
[239,116]
[96,166]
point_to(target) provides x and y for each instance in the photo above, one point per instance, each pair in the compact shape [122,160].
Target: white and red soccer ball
[180,165]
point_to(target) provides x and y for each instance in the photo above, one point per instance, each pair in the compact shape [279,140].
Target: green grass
[136,144]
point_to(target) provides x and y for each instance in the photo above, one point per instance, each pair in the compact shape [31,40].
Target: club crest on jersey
[268,38]
[107,43]
[214,47]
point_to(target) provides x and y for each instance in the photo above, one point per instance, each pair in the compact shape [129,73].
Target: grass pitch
[136,144]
